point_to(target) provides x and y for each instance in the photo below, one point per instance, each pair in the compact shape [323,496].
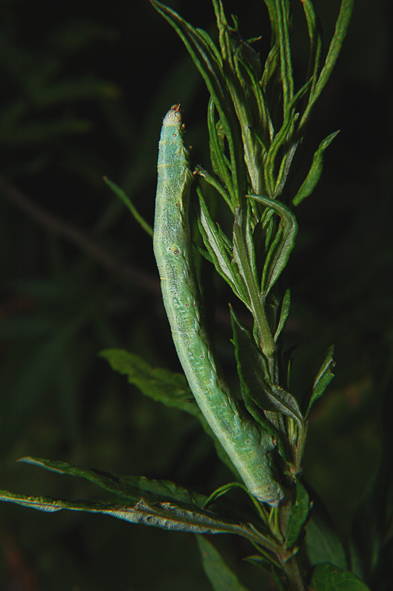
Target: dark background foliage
[84,88]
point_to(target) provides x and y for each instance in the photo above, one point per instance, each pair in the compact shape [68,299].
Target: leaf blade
[217,571]
[128,203]
[327,577]
[315,171]
[163,386]
[275,264]
[299,514]
[322,379]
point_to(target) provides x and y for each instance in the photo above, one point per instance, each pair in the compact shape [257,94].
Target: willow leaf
[335,46]
[315,35]
[217,571]
[283,22]
[269,72]
[242,91]
[213,182]
[248,100]
[221,23]
[285,307]
[323,378]
[323,541]
[128,203]
[251,366]
[279,139]
[340,32]
[277,262]
[129,488]
[217,156]
[217,249]
[205,59]
[165,515]
[282,401]
[159,384]
[255,379]
[141,500]
[163,386]
[298,516]
[315,171]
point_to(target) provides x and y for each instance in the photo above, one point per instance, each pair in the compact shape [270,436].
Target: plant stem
[265,337]
[293,574]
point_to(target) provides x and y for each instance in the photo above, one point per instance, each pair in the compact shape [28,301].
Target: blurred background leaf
[84,90]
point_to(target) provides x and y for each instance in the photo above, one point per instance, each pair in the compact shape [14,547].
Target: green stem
[292,572]
[287,558]
[256,303]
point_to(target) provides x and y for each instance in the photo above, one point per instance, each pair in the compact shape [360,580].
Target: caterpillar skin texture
[248,446]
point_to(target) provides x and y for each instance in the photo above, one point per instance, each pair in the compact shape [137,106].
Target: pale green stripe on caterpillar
[249,447]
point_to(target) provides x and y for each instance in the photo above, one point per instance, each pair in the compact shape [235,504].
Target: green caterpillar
[249,447]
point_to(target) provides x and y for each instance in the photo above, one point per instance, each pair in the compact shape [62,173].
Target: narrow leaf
[284,402]
[322,542]
[217,156]
[253,372]
[217,248]
[315,171]
[128,203]
[299,514]
[244,260]
[202,54]
[340,32]
[315,34]
[164,386]
[245,94]
[211,69]
[254,377]
[323,378]
[285,307]
[211,180]
[131,488]
[281,138]
[150,509]
[283,23]
[277,262]
[217,571]
[165,515]
[159,384]
[336,43]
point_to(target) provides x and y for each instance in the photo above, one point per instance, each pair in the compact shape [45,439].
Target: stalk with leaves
[257,120]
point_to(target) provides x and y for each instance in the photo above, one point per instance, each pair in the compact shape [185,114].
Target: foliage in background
[357,386]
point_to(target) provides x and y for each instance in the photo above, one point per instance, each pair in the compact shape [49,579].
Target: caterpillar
[249,447]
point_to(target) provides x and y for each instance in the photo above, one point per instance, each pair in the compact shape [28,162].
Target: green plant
[257,124]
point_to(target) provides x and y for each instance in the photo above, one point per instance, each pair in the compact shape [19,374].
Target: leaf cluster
[257,121]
